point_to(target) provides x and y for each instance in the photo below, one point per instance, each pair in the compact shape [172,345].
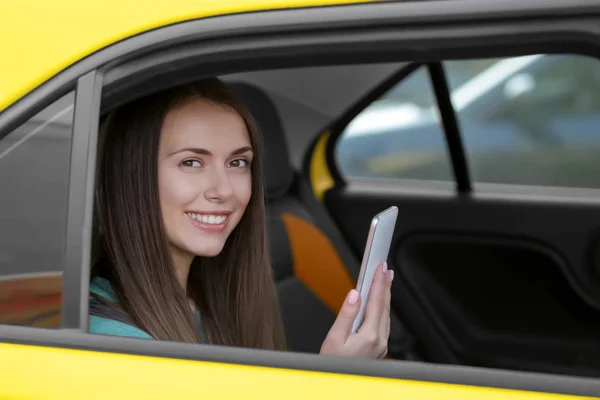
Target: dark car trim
[76,276]
[450,127]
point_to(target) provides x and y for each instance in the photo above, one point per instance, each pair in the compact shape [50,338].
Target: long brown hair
[234,291]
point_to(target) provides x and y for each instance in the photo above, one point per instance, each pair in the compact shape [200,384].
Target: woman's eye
[191,163]
[239,163]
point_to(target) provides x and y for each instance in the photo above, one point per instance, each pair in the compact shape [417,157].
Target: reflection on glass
[380,141]
[532,120]
[535,120]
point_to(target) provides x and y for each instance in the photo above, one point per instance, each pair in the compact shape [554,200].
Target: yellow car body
[40,39]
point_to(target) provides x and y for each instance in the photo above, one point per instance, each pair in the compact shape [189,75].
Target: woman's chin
[208,251]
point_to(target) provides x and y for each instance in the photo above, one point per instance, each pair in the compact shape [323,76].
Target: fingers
[371,339]
[340,330]
[384,326]
[387,304]
[376,302]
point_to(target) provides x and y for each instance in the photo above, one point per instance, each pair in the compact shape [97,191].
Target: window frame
[76,275]
[262,26]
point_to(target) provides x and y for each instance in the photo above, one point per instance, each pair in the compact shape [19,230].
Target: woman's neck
[182,264]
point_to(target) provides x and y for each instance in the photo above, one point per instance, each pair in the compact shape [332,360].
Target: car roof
[47,37]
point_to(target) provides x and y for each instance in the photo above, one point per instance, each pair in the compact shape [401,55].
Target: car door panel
[489,281]
[179,372]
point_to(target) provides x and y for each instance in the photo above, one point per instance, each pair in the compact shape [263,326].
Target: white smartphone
[376,252]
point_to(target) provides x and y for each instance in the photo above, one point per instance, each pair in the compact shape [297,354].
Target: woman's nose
[219,186]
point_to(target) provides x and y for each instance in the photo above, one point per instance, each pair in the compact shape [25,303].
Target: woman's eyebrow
[196,150]
[205,152]
[241,150]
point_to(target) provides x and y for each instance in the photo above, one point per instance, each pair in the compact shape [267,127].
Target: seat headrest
[278,171]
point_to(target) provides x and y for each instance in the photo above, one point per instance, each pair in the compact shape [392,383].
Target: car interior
[488,280]
[496,249]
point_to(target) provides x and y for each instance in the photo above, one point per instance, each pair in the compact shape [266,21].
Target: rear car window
[531,120]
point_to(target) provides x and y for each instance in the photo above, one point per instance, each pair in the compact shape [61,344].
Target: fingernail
[385,267]
[391,275]
[353,296]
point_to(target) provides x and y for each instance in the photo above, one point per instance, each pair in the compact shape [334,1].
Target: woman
[182,249]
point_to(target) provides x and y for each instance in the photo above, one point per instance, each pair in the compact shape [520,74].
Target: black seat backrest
[314,269]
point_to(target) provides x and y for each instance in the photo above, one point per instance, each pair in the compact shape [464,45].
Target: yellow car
[361,104]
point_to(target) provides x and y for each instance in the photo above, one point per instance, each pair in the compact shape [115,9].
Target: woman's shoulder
[102,287]
[103,324]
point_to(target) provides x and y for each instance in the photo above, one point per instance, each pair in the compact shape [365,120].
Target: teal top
[106,326]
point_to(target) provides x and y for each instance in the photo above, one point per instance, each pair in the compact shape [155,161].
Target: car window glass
[531,120]
[398,136]
[34,173]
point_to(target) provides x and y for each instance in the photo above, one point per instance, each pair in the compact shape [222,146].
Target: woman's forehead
[202,123]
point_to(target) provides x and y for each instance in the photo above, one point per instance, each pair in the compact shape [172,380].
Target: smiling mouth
[210,219]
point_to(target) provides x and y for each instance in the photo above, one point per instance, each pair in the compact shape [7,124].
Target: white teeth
[208,219]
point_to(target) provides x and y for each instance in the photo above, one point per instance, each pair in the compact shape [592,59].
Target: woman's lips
[209,222]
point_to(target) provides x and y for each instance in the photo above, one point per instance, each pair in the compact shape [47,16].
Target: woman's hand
[371,339]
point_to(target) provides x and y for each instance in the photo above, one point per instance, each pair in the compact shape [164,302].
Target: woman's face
[204,177]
